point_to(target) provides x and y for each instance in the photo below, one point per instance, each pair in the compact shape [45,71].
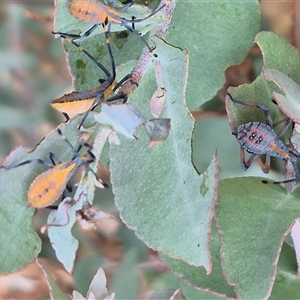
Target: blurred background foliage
[33,72]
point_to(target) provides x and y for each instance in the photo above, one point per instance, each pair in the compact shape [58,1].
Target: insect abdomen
[47,187]
[92,11]
[260,138]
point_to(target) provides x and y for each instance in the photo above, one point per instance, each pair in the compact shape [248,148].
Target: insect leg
[91,160]
[257,105]
[147,17]
[287,121]
[52,207]
[94,104]
[69,143]
[122,81]
[127,4]
[29,161]
[280,182]
[122,96]
[106,27]
[78,36]
[96,176]
[265,167]
[66,116]
[100,93]
[70,38]
[54,159]
[292,149]
[131,29]
[246,164]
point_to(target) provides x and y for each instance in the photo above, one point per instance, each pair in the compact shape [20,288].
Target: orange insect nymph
[47,187]
[96,13]
[259,138]
[77,103]
[92,11]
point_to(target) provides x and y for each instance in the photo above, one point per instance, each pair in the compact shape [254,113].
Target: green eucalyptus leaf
[253,220]
[217,34]
[197,276]
[157,189]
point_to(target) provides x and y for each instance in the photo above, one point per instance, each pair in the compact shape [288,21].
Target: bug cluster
[259,138]
[47,187]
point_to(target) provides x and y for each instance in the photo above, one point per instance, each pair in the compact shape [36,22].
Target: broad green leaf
[253,220]
[216,34]
[197,276]
[289,102]
[279,54]
[15,221]
[157,189]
